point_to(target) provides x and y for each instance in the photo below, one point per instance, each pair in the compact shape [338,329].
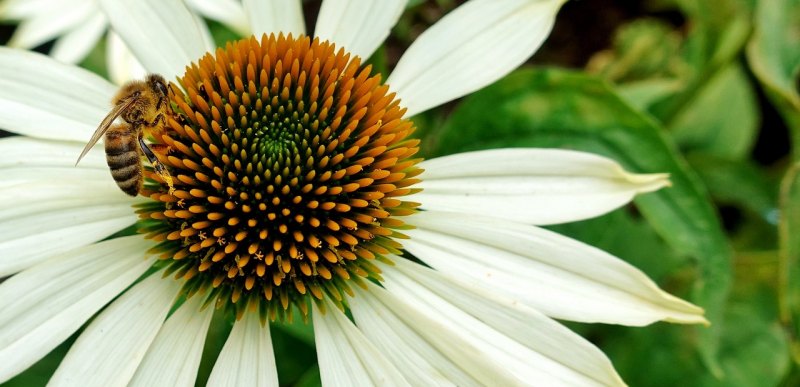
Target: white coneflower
[296,187]
[76,26]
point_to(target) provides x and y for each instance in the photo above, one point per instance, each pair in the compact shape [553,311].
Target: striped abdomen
[124,160]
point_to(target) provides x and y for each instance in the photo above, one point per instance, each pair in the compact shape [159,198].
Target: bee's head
[157,83]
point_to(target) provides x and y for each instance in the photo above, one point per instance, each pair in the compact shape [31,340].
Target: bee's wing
[105,124]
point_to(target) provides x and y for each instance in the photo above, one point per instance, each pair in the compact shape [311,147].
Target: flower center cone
[290,162]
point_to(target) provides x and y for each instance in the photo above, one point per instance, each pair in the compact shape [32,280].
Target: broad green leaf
[790,256]
[722,118]
[554,108]
[774,56]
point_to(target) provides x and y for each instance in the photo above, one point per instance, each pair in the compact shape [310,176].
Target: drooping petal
[559,276]
[360,26]
[345,356]
[108,352]
[491,339]
[41,97]
[174,357]
[275,16]
[24,9]
[76,44]
[577,359]
[43,201]
[48,23]
[228,12]
[247,358]
[20,151]
[43,217]
[529,185]
[163,34]
[122,64]
[45,304]
[471,47]
[420,362]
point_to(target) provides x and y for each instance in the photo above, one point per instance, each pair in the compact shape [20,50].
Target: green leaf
[40,372]
[774,56]
[743,186]
[722,118]
[642,94]
[719,31]
[311,378]
[221,33]
[790,256]
[642,49]
[737,182]
[295,359]
[218,331]
[554,108]
[755,349]
[298,328]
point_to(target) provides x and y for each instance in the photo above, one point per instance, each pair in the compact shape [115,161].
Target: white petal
[163,34]
[529,185]
[247,358]
[420,362]
[559,276]
[46,304]
[41,97]
[228,12]
[52,22]
[66,176]
[174,357]
[275,16]
[479,350]
[110,349]
[76,44]
[122,64]
[577,359]
[24,9]
[20,151]
[345,356]
[471,47]
[360,26]
[42,218]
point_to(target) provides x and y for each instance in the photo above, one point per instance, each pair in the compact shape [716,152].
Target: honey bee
[141,105]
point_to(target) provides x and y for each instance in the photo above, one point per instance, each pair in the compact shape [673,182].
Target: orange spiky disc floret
[289,162]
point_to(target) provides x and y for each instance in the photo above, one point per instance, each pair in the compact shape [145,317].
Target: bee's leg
[158,124]
[160,169]
[159,148]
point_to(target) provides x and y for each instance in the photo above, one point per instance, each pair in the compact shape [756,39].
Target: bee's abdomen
[122,156]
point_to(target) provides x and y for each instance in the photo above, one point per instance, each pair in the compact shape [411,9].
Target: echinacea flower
[76,26]
[296,187]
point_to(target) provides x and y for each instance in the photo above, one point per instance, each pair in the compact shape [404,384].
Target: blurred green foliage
[706,90]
